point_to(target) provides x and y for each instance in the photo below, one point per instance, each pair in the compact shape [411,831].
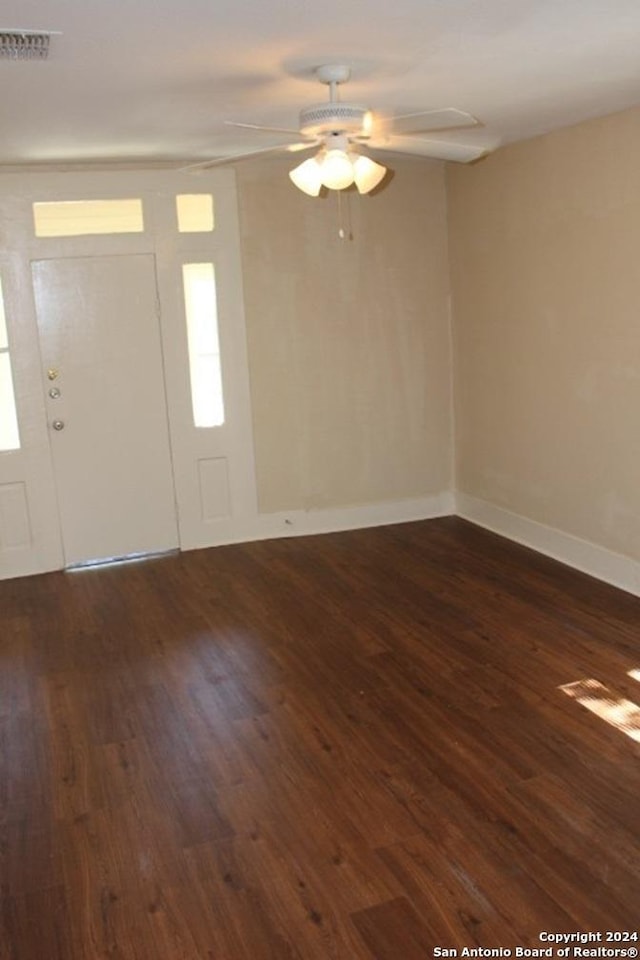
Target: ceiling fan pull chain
[343,234]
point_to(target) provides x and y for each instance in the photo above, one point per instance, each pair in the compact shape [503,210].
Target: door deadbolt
[58,424]
[54,393]
[52,373]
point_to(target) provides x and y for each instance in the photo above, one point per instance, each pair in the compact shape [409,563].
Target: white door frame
[231,445]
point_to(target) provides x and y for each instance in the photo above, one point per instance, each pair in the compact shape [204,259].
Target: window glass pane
[206,387]
[75,218]
[4,342]
[195,212]
[204,348]
[9,436]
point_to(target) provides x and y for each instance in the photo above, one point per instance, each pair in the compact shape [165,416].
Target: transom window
[77,218]
[195,212]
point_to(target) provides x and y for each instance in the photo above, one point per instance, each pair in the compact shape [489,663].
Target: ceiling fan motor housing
[323,118]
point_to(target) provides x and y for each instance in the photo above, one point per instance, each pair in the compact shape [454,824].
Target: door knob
[58,424]
[54,393]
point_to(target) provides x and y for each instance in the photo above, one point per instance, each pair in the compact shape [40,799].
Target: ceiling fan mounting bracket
[333,73]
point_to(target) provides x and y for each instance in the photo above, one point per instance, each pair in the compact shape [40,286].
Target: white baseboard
[613,568]
[302,523]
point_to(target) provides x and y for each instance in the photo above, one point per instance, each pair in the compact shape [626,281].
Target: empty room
[328,646]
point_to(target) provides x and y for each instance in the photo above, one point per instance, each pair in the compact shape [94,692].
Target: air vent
[24,44]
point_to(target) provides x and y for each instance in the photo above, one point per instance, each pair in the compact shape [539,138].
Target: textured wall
[349,341]
[545,249]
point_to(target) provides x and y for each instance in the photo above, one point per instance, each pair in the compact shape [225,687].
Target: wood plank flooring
[350,746]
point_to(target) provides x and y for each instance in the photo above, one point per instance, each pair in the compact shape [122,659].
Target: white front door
[101,353]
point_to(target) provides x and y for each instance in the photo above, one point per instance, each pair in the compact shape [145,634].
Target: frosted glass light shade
[337,170]
[307,177]
[367,173]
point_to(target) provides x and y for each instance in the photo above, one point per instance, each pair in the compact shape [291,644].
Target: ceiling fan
[338,128]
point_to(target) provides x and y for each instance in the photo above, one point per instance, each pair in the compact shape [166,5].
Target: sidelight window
[9,434]
[201,311]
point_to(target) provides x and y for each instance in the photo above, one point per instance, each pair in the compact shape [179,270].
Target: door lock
[58,424]
[54,393]
[52,373]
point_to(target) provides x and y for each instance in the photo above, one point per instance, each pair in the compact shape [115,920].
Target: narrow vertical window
[9,435]
[204,348]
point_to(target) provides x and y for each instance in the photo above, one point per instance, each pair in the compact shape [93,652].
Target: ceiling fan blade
[425,121]
[259,126]
[221,161]
[436,149]
[447,118]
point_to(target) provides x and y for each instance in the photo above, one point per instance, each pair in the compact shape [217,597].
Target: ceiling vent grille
[24,45]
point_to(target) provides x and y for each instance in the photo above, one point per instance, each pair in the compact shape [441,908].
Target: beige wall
[349,343]
[545,252]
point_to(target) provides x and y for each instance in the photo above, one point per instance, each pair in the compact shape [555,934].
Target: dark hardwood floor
[350,746]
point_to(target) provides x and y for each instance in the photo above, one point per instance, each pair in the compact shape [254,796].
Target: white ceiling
[156,79]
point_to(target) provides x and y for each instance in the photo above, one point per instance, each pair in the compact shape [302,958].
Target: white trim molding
[303,523]
[614,568]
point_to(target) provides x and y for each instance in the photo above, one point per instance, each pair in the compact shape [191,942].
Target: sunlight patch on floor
[620,713]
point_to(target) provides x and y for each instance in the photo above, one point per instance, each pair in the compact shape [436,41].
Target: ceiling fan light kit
[337,169]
